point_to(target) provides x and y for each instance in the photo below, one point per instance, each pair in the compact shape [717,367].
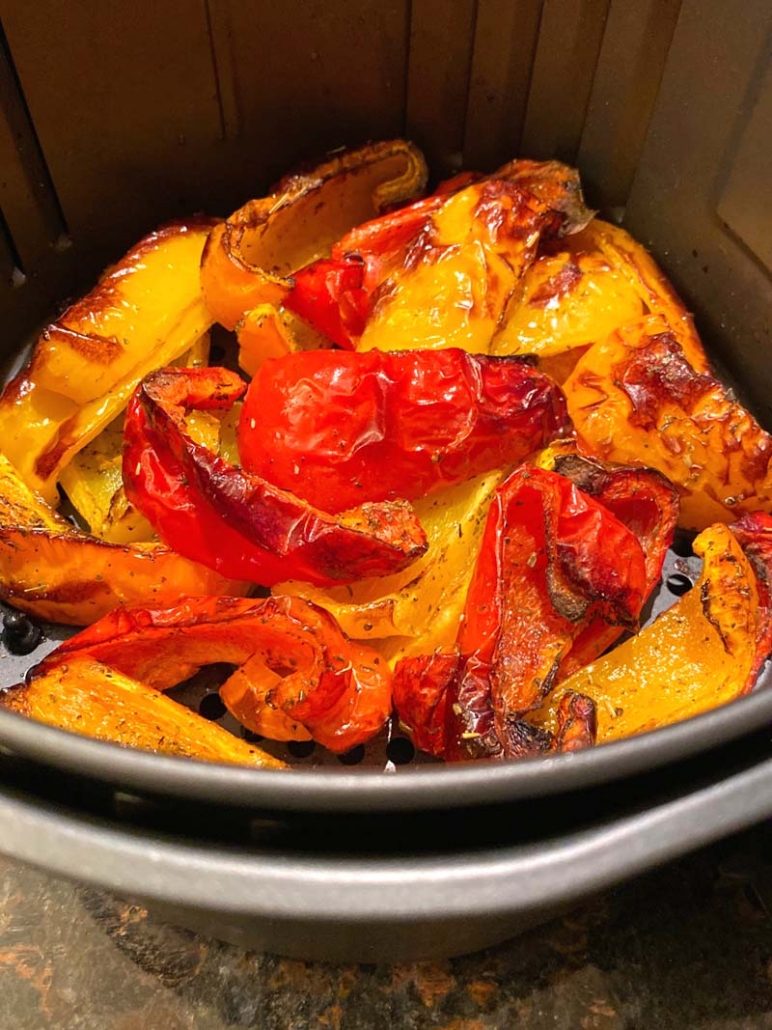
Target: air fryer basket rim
[366,890]
[440,787]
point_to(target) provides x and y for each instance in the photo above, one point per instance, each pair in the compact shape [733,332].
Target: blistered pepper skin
[202,505]
[539,582]
[340,428]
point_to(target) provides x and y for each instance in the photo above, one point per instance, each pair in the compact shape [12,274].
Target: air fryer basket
[140,114]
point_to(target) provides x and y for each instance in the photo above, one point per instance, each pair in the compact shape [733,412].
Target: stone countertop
[686,946]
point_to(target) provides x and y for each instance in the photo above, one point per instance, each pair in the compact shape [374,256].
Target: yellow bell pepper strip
[88,697]
[539,580]
[229,520]
[419,608]
[53,571]
[144,313]
[93,480]
[571,296]
[250,258]
[339,691]
[584,287]
[635,398]
[459,273]
[701,653]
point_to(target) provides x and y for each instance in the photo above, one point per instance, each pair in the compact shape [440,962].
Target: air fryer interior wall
[114,118]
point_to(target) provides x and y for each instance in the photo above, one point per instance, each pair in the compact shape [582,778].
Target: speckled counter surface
[686,946]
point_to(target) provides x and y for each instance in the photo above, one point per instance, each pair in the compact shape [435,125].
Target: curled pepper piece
[250,258]
[145,312]
[540,580]
[228,519]
[52,570]
[87,697]
[635,397]
[341,428]
[338,691]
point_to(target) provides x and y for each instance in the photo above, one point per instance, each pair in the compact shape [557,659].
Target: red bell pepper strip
[341,428]
[330,296]
[339,691]
[333,294]
[647,503]
[540,579]
[225,518]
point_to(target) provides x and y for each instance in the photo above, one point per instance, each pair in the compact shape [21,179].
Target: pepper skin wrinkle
[339,428]
[203,506]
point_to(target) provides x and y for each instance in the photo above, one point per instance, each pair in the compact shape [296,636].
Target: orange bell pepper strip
[53,571]
[635,398]
[338,691]
[87,697]
[250,259]
[227,519]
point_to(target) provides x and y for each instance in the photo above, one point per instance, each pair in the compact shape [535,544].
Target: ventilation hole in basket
[678,584]
[354,756]
[301,748]
[400,751]
[252,738]
[211,707]
[682,545]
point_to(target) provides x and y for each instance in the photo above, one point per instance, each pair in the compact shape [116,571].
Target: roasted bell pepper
[93,480]
[419,609]
[87,697]
[340,428]
[584,287]
[52,570]
[144,313]
[459,273]
[228,519]
[540,579]
[644,501]
[703,652]
[635,397]
[338,691]
[250,258]
[480,233]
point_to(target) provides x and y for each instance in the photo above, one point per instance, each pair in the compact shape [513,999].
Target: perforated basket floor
[391,749]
